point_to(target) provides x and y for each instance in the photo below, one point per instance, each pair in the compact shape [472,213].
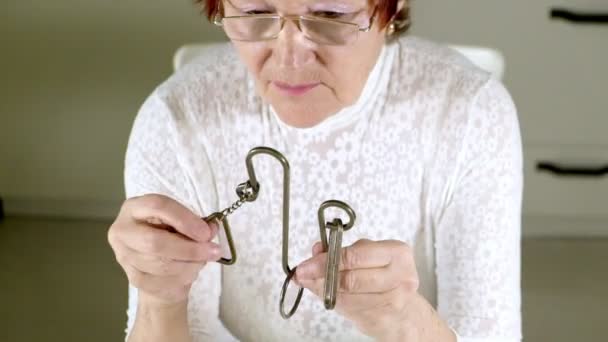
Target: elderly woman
[424,146]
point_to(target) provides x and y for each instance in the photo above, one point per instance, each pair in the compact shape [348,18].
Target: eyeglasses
[260,27]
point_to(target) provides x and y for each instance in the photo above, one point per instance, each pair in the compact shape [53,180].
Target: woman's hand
[162,246]
[377,288]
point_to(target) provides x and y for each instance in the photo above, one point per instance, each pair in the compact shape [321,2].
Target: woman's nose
[292,47]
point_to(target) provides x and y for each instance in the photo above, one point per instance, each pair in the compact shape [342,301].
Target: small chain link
[245,195]
[231,209]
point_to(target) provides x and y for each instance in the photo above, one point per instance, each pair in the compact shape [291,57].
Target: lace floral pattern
[429,155]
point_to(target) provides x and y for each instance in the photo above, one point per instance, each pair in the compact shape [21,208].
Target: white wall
[72,75]
[557,73]
[553,69]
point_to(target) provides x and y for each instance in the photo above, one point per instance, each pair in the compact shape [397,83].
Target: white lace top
[429,155]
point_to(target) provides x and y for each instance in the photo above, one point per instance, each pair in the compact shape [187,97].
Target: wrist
[418,322]
[160,321]
[429,325]
[154,309]
[402,326]
[151,303]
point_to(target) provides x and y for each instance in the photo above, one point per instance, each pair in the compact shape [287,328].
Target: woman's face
[305,81]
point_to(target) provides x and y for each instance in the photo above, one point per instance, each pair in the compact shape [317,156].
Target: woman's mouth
[294,90]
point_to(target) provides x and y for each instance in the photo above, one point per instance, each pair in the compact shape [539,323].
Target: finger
[370,280]
[164,210]
[367,254]
[317,248]
[366,280]
[162,243]
[361,254]
[395,298]
[390,301]
[159,266]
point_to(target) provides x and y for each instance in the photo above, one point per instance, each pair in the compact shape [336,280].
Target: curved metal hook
[289,272]
[256,186]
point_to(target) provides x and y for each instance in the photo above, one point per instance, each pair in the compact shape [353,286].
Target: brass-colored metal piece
[286,179]
[336,228]
[248,192]
[287,315]
[333,248]
[220,218]
[289,272]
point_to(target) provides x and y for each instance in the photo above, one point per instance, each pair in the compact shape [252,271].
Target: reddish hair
[387,10]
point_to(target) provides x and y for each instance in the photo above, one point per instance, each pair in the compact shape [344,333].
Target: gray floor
[59,282]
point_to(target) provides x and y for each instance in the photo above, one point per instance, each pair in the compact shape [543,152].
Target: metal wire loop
[284,292]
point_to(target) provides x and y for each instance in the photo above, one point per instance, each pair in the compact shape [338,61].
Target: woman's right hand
[161,245]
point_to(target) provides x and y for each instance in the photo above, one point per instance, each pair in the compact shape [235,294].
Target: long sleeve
[478,230]
[153,165]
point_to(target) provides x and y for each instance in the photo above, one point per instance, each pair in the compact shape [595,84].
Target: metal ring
[337,204]
[284,291]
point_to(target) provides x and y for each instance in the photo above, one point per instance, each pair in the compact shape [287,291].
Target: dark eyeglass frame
[218,20]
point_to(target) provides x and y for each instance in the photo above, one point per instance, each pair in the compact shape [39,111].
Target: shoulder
[214,74]
[212,89]
[443,84]
[450,101]
[424,67]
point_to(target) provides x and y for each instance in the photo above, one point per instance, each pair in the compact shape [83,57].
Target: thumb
[317,248]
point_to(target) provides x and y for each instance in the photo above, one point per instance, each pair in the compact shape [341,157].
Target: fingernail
[317,248]
[216,252]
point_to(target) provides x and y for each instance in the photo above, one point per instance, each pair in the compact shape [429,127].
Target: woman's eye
[329,14]
[257,12]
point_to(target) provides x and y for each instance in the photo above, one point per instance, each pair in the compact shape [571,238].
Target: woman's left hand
[378,281]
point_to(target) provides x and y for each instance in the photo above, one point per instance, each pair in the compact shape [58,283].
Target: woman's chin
[300,122]
[304,112]
[303,116]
